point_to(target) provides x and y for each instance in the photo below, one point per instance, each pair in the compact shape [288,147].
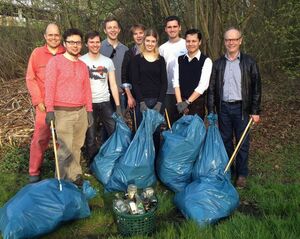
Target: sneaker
[241,182]
[34,179]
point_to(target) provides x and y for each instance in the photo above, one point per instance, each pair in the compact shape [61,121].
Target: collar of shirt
[105,42]
[237,57]
[196,56]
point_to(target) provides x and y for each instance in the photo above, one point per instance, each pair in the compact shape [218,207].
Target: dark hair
[172,18]
[110,19]
[91,35]
[72,31]
[137,26]
[193,31]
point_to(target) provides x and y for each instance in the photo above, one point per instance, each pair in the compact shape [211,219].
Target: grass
[269,206]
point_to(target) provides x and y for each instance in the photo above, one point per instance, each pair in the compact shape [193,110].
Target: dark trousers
[170,104]
[233,123]
[100,130]
[198,107]
[150,103]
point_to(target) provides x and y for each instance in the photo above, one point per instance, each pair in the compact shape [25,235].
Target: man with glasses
[114,49]
[171,50]
[102,75]
[235,93]
[68,100]
[35,80]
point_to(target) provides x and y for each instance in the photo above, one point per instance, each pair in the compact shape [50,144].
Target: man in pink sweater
[68,100]
[35,80]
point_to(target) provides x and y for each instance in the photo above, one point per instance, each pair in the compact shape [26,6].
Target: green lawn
[269,206]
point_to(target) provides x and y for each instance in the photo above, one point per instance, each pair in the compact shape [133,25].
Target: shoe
[34,179]
[241,182]
[79,181]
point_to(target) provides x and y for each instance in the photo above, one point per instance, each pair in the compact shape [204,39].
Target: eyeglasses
[113,53]
[73,43]
[232,40]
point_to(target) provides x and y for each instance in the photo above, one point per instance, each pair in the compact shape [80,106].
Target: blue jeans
[232,123]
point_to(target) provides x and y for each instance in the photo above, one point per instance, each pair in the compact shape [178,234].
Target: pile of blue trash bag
[180,148]
[211,196]
[40,208]
[137,165]
[111,151]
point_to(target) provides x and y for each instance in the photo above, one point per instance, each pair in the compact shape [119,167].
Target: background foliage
[271,27]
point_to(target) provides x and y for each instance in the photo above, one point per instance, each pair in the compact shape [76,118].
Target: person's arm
[50,85]
[203,82]
[163,80]
[256,92]
[136,82]
[87,90]
[175,82]
[126,82]
[114,87]
[211,90]
[32,84]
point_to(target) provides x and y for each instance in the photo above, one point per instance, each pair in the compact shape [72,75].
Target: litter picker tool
[55,155]
[168,120]
[134,119]
[246,131]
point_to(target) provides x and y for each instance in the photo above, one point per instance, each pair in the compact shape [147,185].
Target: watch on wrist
[188,102]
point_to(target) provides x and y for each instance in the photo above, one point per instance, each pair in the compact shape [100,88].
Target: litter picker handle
[168,120]
[134,119]
[55,155]
[239,144]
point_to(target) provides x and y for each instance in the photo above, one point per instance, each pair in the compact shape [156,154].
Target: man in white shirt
[191,76]
[102,72]
[170,50]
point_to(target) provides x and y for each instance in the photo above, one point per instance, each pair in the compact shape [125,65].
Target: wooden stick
[55,155]
[238,145]
[134,118]
[168,120]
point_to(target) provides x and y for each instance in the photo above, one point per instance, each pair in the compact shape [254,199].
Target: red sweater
[67,84]
[35,77]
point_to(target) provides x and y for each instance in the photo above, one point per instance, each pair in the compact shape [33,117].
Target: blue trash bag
[214,158]
[207,199]
[211,196]
[110,152]
[137,165]
[179,151]
[40,208]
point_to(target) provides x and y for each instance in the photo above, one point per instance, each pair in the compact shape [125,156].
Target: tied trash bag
[214,158]
[137,165]
[207,199]
[110,152]
[179,150]
[211,196]
[39,208]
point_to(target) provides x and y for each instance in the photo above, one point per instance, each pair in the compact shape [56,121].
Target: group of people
[80,93]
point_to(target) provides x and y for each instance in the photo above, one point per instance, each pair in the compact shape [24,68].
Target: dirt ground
[280,116]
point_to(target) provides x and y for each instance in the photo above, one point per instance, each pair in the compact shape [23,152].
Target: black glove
[157,107]
[90,118]
[49,117]
[119,111]
[181,106]
[143,106]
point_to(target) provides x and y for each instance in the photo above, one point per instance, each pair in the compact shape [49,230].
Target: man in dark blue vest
[191,76]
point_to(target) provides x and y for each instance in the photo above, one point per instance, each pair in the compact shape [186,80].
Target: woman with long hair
[149,77]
